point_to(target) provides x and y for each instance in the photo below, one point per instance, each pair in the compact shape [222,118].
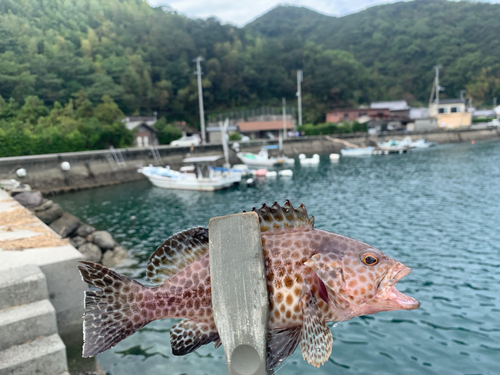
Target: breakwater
[91,169]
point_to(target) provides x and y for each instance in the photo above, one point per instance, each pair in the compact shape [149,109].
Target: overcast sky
[240,12]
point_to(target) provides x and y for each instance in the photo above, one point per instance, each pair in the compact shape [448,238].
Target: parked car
[494,122]
[192,140]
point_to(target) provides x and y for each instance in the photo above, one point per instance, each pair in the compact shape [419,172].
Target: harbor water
[437,210]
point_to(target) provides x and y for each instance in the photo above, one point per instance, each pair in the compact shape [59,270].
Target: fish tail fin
[112,312]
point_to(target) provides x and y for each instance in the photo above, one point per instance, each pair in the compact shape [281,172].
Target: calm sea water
[436,210]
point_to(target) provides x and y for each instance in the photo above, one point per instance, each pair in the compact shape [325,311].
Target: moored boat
[201,174]
[264,158]
[361,151]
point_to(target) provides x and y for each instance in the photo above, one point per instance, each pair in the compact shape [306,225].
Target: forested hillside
[141,57]
[399,44]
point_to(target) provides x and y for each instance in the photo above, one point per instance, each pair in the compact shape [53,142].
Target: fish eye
[369,259]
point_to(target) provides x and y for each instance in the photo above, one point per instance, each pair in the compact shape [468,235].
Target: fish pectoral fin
[187,336]
[328,272]
[280,344]
[316,338]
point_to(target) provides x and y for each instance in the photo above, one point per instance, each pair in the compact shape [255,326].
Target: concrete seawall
[98,168]
[41,297]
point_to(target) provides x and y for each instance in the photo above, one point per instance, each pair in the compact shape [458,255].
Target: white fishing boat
[265,157]
[200,174]
[422,143]
[361,151]
[407,142]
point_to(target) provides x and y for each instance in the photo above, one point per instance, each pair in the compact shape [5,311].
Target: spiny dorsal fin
[176,253]
[280,217]
[187,336]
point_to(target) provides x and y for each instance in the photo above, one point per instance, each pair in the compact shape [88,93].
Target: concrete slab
[45,355]
[65,286]
[21,285]
[20,229]
[26,322]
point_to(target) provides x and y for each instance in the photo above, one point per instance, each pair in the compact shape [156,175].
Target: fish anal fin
[316,338]
[278,217]
[281,343]
[176,253]
[187,336]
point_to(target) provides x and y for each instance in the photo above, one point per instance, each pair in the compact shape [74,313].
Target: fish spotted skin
[313,277]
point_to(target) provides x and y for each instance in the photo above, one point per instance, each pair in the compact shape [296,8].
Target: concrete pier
[41,296]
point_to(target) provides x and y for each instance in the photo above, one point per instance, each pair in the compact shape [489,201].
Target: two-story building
[450,113]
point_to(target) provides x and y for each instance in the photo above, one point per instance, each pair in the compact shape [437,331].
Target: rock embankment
[95,245]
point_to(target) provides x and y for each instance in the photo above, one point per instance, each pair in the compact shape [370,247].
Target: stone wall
[99,168]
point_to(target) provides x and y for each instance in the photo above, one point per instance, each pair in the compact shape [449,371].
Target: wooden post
[239,291]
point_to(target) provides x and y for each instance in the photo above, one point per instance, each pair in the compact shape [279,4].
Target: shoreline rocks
[96,245]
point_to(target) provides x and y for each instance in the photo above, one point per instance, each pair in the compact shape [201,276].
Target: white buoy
[334,157]
[250,182]
[65,166]
[315,156]
[271,174]
[302,156]
[286,173]
[21,172]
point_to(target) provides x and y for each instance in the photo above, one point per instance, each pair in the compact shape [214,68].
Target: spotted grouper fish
[313,277]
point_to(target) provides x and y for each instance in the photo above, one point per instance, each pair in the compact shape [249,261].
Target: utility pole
[437,84]
[299,94]
[284,117]
[200,98]
[494,102]
[462,94]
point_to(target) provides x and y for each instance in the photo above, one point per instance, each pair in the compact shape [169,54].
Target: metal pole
[239,291]
[494,102]
[437,85]
[284,117]
[200,98]
[299,94]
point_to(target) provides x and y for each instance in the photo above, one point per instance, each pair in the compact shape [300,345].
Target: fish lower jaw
[403,301]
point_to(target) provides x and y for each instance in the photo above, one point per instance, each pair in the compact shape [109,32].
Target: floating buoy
[473,141]
[286,173]
[65,166]
[271,174]
[250,182]
[21,172]
[334,157]
[302,156]
[261,172]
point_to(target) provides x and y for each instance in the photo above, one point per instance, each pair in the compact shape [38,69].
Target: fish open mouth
[402,301]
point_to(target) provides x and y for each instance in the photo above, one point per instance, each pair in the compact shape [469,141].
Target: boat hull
[191,182]
[366,151]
